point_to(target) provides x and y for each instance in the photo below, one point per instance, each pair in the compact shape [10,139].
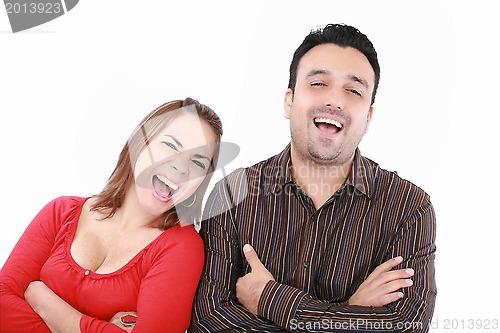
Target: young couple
[274,253]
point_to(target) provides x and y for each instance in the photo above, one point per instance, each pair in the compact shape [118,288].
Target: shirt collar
[362,174]
[279,172]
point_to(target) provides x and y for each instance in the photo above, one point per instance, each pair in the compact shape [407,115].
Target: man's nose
[334,98]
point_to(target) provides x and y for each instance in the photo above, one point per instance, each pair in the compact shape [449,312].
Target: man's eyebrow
[359,80]
[315,72]
[354,78]
[175,139]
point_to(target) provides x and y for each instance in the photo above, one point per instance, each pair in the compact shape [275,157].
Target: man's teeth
[168,182]
[328,121]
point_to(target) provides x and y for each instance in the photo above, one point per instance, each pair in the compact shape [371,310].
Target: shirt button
[306,264]
[87,272]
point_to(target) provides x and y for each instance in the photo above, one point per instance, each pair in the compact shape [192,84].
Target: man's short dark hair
[343,36]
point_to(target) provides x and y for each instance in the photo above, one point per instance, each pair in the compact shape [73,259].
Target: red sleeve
[24,264]
[167,291]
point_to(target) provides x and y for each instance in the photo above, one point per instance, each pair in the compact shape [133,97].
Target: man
[318,237]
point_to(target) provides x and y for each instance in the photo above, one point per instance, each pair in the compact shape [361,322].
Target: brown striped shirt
[319,257]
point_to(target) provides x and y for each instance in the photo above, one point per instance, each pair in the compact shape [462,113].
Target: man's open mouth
[327,125]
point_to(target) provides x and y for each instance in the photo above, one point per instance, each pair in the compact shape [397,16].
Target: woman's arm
[59,316]
[24,300]
[24,264]
[167,292]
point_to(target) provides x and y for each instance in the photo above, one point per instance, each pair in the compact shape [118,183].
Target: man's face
[331,109]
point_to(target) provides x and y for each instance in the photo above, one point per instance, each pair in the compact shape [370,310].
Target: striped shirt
[318,257]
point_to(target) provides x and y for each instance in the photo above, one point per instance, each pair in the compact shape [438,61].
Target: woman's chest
[97,295]
[102,248]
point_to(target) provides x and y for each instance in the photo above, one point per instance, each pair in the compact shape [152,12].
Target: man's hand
[249,287]
[382,285]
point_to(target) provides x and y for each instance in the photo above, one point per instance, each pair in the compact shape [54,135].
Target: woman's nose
[180,165]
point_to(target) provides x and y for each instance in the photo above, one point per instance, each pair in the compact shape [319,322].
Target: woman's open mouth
[164,187]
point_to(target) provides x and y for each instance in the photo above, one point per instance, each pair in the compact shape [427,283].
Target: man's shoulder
[387,181]
[253,172]
[249,180]
[236,187]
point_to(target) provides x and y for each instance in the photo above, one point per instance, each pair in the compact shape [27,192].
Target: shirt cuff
[279,303]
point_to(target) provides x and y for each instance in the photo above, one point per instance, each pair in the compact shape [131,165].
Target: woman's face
[173,165]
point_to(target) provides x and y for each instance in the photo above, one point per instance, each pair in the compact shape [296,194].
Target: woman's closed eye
[170,145]
[201,160]
[199,164]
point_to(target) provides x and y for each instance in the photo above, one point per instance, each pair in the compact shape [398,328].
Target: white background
[73,89]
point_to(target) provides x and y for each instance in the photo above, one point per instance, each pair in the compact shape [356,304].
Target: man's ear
[288,103]
[369,118]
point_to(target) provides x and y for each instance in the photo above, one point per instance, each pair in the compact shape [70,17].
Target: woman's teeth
[168,182]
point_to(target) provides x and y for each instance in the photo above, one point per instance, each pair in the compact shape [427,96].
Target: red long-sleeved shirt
[158,283]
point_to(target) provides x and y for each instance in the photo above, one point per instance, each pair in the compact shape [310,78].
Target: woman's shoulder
[182,239]
[178,244]
[183,233]
[63,207]
[69,201]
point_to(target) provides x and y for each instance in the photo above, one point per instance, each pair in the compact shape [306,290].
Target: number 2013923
[33,8]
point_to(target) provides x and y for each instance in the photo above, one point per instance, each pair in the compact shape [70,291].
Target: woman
[129,257]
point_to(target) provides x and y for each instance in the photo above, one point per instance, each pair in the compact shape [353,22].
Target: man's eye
[318,84]
[170,145]
[199,164]
[354,91]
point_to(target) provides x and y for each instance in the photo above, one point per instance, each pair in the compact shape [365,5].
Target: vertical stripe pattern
[319,257]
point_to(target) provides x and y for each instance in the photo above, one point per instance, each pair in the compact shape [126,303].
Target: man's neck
[319,180]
